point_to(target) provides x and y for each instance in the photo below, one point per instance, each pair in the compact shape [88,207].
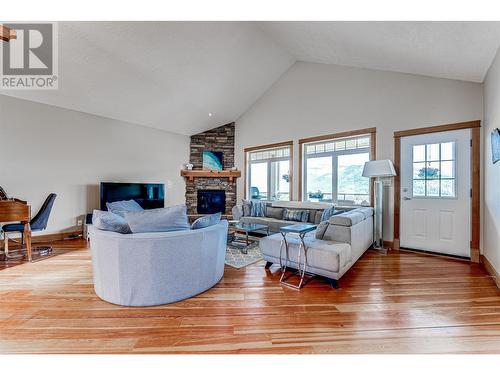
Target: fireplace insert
[211,201]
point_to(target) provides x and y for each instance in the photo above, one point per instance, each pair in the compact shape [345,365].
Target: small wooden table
[301,230]
[17,210]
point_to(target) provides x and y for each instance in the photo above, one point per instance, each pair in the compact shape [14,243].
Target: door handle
[406,199]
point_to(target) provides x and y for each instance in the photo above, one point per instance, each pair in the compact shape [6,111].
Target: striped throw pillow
[296,215]
[327,213]
[258,209]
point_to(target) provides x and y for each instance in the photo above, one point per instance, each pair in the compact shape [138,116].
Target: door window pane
[447,169]
[447,151]
[419,170]
[418,153]
[432,152]
[418,188]
[432,187]
[434,170]
[447,188]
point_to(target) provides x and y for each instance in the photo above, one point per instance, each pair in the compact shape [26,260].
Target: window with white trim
[269,173]
[332,170]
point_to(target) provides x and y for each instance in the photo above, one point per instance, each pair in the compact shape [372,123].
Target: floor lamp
[378,169]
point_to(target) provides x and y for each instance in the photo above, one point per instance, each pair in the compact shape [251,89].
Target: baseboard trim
[389,245]
[55,236]
[490,269]
[395,245]
[52,237]
[475,255]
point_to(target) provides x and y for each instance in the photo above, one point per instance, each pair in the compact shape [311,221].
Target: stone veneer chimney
[218,139]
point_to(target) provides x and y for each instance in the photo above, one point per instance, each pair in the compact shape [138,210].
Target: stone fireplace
[203,193]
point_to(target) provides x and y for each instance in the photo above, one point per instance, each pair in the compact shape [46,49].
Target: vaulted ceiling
[172,75]
[167,75]
[455,50]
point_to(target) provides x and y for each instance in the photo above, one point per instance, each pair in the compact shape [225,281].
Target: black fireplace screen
[211,201]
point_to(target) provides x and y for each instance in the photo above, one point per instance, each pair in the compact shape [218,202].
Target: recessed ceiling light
[209,114]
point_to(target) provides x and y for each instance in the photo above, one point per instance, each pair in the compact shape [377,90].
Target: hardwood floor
[400,303]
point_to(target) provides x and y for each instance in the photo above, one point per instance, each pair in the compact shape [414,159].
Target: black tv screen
[147,195]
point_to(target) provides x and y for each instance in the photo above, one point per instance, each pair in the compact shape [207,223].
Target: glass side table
[301,230]
[245,229]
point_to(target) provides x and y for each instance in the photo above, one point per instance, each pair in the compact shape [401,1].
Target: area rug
[236,259]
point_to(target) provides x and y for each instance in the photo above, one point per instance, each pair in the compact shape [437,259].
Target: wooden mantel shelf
[206,173]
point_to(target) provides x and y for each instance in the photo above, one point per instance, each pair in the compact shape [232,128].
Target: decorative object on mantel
[212,160]
[3,194]
[6,33]
[379,169]
[215,174]
[495,145]
[189,167]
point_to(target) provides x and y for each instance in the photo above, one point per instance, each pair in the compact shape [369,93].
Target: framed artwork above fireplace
[213,160]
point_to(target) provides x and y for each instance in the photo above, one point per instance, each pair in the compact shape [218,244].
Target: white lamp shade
[379,168]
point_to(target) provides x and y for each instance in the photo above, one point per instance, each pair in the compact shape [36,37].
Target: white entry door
[435,192]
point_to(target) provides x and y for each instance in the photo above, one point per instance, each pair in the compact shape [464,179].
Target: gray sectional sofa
[274,213]
[332,248]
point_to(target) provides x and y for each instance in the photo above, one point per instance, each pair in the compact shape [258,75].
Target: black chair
[38,223]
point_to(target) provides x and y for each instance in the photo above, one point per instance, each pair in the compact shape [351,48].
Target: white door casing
[432,216]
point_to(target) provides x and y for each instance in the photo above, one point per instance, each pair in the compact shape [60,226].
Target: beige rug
[236,259]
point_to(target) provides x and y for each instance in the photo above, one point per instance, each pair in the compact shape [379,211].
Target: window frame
[371,132]
[267,147]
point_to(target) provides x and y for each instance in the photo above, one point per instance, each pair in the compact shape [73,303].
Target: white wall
[491,212]
[316,99]
[47,149]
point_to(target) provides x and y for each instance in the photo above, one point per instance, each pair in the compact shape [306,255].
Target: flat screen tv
[147,195]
